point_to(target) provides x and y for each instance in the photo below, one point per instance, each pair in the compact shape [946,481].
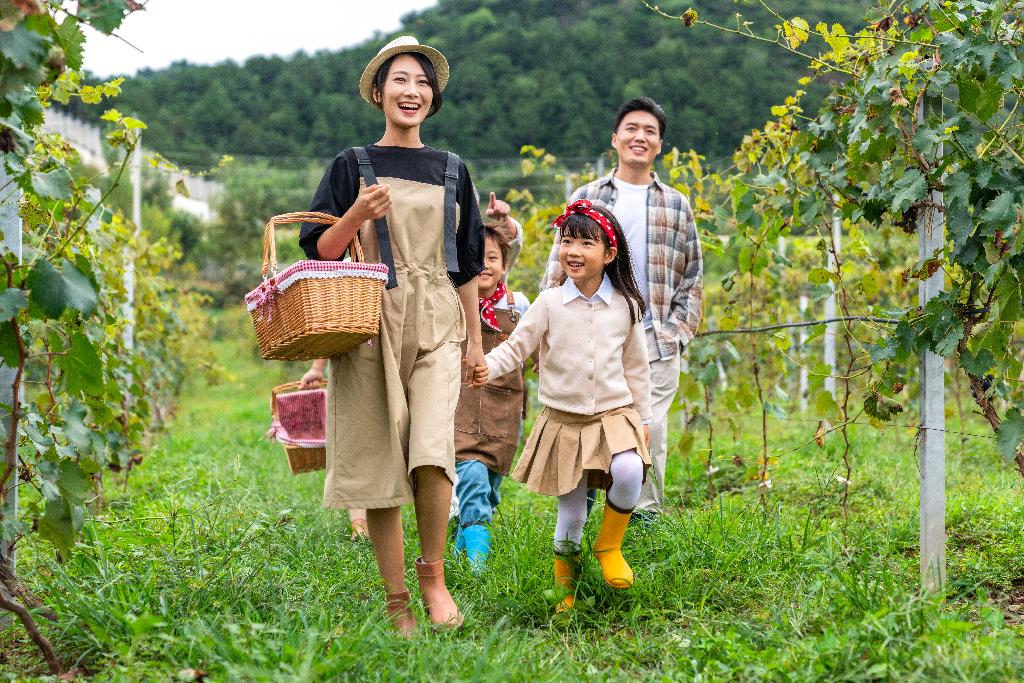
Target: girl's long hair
[620,270]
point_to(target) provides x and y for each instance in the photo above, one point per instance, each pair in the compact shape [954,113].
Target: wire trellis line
[803,323]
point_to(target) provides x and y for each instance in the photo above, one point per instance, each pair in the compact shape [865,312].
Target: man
[658,223]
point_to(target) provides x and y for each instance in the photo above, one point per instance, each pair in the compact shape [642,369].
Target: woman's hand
[647,436]
[476,366]
[372,203]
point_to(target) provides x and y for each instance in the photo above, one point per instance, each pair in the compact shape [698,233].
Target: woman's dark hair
[642,104]
[428,68]
[620,270]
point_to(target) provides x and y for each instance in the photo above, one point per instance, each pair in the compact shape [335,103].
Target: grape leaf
[83,370]
[909,188]
[12,300]
[1011,434]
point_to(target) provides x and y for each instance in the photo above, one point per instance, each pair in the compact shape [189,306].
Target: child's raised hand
[498,209]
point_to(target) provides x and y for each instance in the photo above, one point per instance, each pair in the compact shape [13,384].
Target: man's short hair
[643,104]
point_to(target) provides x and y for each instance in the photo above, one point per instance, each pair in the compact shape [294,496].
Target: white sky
[212,31]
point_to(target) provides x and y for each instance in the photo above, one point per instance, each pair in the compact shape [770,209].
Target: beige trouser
[664,384]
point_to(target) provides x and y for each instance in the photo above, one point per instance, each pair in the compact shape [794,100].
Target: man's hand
[647,436]
[372,203]
[498,210]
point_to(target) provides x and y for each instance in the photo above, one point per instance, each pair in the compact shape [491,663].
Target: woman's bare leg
[433,498]
[385,526]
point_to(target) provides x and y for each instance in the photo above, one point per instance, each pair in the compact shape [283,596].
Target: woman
[391,405]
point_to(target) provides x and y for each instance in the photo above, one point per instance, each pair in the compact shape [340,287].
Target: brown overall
[488,419]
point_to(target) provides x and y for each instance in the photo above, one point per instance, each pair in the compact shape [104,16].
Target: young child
[595,387]
[357,518]
[489,418]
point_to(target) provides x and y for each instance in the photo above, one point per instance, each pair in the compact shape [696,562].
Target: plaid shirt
[675,268]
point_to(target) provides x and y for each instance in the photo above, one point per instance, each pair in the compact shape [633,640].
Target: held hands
[476,367]
[647,436]
[498,210]
[373,202]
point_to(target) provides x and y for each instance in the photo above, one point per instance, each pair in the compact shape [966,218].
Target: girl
[595,387]
[391,402]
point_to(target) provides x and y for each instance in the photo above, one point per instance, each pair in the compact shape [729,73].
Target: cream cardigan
[592,358]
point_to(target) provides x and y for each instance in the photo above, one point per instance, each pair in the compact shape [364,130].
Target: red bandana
[585,208]
[487,306]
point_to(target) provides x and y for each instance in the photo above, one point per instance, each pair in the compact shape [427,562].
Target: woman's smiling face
[407,93]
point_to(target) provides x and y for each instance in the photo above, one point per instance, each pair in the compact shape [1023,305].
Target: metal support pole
[931,238]
[568,189]
[10,224]
[831,329]
[129,249]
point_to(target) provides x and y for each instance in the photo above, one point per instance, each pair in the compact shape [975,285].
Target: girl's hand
[497,209]
[372,203]
[480,375]
[311,378]
[647,436]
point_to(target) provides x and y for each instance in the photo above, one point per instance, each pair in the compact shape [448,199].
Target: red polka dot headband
[583,207]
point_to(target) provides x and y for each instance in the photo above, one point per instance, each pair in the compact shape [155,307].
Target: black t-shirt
[339,189]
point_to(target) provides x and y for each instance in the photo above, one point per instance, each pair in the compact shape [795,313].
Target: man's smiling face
[637,139]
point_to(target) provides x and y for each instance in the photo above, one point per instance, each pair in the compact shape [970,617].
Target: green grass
[214,557]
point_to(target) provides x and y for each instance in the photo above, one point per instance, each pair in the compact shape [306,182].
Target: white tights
[627,470]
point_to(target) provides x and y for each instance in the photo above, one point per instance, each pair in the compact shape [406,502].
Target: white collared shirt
[593,358]
[604,293]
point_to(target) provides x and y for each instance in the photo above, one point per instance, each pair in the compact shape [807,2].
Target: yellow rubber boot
[608,548]
[567,568]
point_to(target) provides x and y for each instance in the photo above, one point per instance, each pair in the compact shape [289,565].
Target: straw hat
[398,46]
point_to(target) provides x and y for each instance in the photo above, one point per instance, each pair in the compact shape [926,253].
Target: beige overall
[391,401]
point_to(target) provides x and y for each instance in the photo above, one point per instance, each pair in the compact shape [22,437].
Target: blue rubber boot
[477,541]
[460,542]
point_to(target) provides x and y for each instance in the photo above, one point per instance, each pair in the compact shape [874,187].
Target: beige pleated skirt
[564,447]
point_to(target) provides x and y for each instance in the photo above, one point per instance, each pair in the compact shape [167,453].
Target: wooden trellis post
[931,238]
[10,224]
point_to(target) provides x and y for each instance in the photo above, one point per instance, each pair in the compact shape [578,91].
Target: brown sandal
[399,611]
[431,576]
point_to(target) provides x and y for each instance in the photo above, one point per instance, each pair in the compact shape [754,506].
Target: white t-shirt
[630,209]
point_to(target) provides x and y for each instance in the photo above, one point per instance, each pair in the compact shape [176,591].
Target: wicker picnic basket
[299,425]
[314,309]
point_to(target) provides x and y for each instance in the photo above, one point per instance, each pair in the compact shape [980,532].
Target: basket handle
[270,247]
[287,387]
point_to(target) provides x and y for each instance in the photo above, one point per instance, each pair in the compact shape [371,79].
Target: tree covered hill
[523,72]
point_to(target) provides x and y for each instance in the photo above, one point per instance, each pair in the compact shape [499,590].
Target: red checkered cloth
[301,419]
